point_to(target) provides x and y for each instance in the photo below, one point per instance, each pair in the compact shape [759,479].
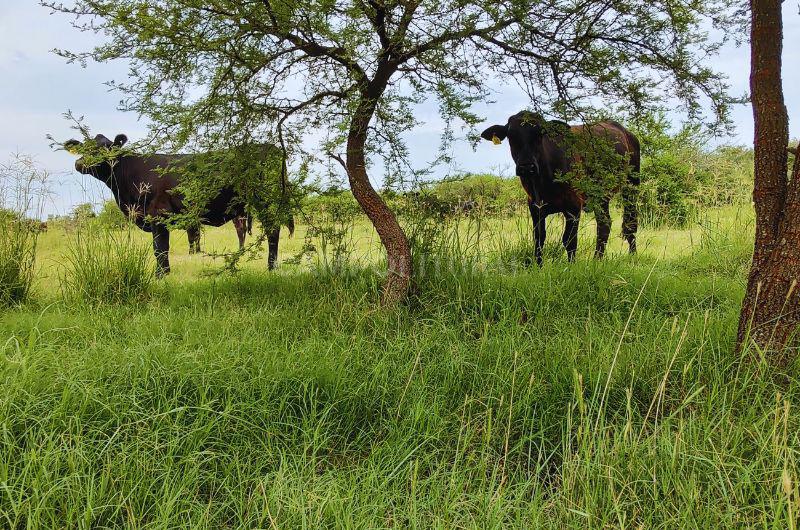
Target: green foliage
[484,194]
[23,187]
[681,176]
[83,212]
[227,75]
[107,267]
[253,171]
[111,217]
[331,216]
[729,171]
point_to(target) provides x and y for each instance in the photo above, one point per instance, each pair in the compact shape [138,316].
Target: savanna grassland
[583,395]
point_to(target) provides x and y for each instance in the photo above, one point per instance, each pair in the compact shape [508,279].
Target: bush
[104,266]
[111,217]
[488,194]
[729,171]
[680,176]
[83,212]
[670,173]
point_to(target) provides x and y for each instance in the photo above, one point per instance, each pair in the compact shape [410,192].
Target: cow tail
[630,191]
[249,224]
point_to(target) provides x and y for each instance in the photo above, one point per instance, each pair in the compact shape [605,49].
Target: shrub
[488,194]
[111,217]
[104,266]
[670,174]
[729,171]
[669,186]
[680,176]
[83,212]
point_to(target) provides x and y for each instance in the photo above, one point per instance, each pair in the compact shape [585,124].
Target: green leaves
[210,72]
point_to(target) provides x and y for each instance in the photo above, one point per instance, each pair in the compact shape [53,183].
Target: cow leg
[272,244]
[570,237]
[240,223]
[603,219]
[194,239]
[161,249]
[539,217]
[630,200]
[630,223]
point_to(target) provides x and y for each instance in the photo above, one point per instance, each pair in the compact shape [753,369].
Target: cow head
[526,132]
[98,155]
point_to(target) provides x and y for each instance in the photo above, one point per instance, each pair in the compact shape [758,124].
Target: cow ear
[120,140]
[495,134]
[102,141]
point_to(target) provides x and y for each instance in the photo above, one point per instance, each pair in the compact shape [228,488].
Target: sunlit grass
[584,395]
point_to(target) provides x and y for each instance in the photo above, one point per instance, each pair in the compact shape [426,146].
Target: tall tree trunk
[394,240]
[770,314]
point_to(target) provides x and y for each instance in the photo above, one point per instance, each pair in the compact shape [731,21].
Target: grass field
[584,395]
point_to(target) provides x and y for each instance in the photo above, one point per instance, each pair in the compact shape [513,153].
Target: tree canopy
[211,73]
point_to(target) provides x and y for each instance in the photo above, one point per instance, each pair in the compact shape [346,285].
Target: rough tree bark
[394,240]
[771,307]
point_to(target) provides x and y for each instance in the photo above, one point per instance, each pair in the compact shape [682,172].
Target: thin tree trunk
[770,308]
[394,240]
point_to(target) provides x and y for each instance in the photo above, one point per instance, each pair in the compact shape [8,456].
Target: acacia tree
[220,71]
[771,308]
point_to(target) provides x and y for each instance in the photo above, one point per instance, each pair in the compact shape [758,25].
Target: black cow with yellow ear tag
[546,153]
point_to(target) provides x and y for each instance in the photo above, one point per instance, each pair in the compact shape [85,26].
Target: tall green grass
[584,395]
[17,259]
[107,267]
[23,188]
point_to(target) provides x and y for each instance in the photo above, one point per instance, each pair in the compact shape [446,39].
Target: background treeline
[681,175]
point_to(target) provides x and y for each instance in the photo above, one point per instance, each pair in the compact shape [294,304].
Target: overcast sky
[37,88]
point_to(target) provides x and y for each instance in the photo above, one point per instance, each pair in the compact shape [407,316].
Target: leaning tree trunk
[394,240]
[770,308]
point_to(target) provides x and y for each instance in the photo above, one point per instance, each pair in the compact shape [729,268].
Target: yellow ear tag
[496,140]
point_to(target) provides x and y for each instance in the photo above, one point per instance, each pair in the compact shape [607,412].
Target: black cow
[144,189]
[547,151]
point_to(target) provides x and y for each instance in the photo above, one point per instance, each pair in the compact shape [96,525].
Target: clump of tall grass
[725,249]
[107,267]
[17,258]
[23,187]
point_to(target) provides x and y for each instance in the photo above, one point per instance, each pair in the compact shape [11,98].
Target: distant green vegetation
[681,176]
